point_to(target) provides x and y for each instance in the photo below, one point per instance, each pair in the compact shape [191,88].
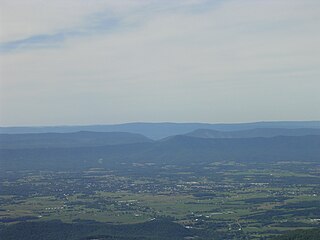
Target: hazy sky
[112,61]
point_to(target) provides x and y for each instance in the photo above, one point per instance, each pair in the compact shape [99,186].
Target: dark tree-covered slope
[57,230]
[176,150]
[311,234]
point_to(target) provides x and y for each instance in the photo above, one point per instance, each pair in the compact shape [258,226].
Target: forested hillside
[57,230]
[175,150]
[311,234]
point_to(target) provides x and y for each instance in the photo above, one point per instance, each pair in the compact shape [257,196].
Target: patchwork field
[242,200]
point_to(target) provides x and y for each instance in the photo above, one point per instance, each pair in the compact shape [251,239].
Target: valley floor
[222,199]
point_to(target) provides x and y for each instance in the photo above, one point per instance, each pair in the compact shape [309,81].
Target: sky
[114,61]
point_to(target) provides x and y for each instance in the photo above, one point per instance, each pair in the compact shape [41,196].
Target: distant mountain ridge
[252,133]
[84,149]
[162,130]
[181,150]
[65,140]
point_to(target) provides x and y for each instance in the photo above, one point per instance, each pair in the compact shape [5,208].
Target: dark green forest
[153,230]
[57,230]
[311,234]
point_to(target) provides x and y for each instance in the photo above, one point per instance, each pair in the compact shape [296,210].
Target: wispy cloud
[38,41]
[96,22]
[100,25]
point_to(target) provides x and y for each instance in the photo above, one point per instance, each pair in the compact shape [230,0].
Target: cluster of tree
[57,230]
[310,234]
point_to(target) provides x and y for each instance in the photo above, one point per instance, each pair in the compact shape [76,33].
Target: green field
[225,197]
